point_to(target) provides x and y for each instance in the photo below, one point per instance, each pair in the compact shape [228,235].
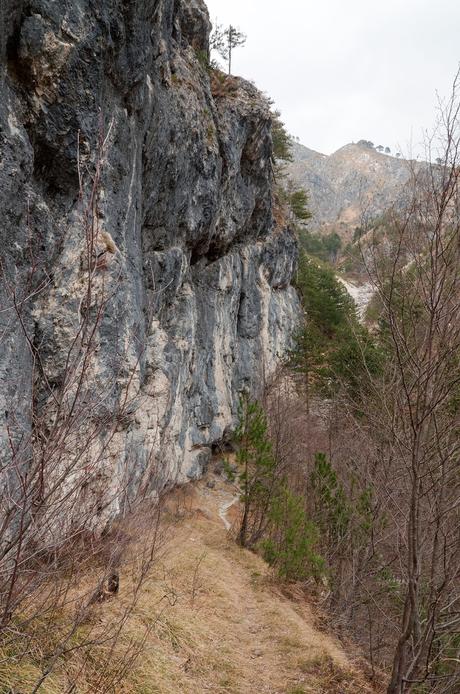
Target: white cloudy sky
[342,70]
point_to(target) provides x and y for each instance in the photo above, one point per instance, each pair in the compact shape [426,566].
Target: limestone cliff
[110,129]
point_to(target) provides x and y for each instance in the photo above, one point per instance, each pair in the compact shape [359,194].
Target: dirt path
[237,631]
[209,616]
[224,507]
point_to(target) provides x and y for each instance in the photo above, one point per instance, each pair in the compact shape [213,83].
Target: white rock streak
[360,293]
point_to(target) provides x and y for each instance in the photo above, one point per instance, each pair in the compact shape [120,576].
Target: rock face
[143,284]
[351,186]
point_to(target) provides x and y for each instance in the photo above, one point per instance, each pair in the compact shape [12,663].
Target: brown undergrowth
[208,618]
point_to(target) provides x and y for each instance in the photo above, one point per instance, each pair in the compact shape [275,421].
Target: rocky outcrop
[144,286]
[351,187]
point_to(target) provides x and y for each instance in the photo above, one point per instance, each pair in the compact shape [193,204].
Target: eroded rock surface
[195,278]
[350,187]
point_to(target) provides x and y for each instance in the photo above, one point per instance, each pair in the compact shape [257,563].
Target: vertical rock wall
[197,304]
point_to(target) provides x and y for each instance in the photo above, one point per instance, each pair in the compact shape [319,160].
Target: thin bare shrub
[401,439]
[60,487]
[418,285]
[385,489]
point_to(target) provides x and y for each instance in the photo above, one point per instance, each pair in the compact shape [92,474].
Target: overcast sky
[343,70]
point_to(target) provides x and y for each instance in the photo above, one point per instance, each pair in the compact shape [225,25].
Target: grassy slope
[216,622]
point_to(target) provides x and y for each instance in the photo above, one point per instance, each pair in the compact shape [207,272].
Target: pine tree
[224,41]
[258,467]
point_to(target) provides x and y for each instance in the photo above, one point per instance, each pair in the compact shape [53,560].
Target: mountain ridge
[349,186]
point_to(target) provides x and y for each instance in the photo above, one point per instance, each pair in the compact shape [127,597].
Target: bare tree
[385,492]
[55,492]
[417,275]
[225,40]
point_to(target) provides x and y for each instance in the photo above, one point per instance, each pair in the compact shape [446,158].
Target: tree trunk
[230,39]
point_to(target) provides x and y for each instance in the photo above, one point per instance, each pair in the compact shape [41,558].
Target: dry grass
[223,85]
[209,619]
[280,212]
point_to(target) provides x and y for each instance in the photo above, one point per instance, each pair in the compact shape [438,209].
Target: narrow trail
[237,629]
[224,509]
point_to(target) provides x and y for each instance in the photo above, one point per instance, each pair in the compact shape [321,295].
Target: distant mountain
[353,181]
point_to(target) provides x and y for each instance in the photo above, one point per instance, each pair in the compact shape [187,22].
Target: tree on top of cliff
[217,41]
[224,41]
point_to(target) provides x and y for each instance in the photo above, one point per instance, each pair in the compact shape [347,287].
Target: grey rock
[198,303]
[219,467]
[351,186]
[200,463]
